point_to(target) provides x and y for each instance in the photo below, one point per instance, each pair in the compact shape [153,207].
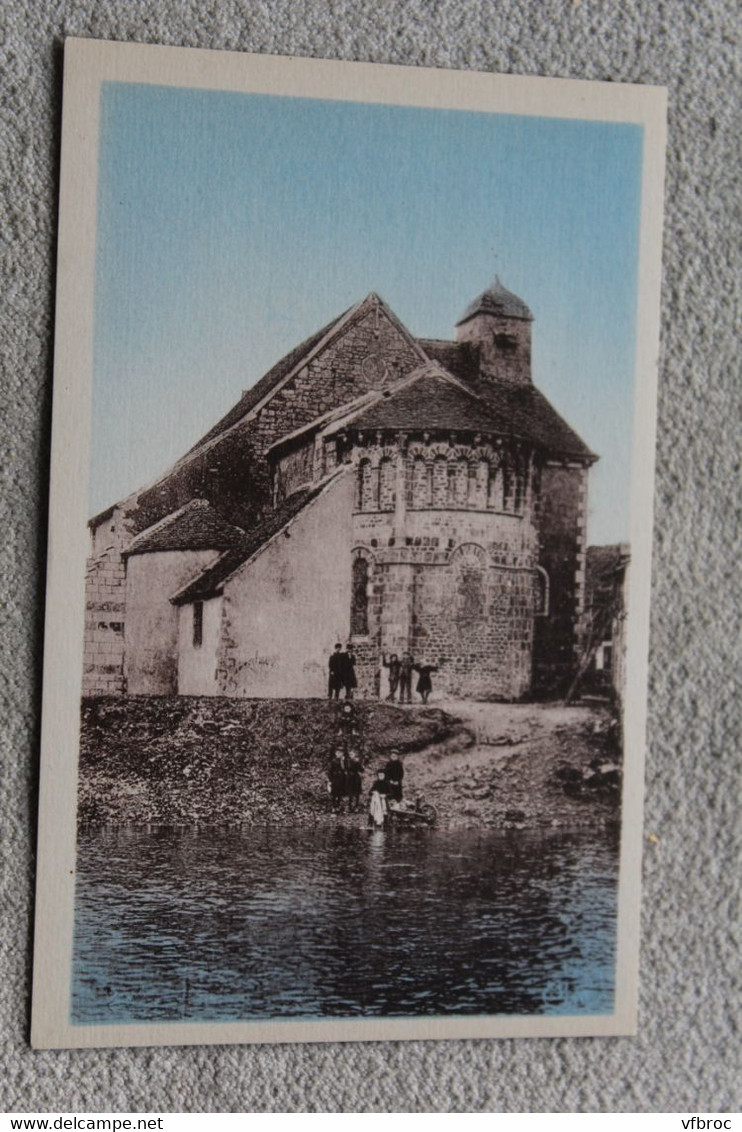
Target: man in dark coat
[405,678]
[394,775]
[338,780]
[350,681]
[337,672]
[393,665]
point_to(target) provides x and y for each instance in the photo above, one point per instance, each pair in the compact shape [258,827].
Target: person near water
[406,666]
[350,681]
[425,684]
[378,806]
[394,776]
[353,781]
[393,665]
[337,780]
[337,672]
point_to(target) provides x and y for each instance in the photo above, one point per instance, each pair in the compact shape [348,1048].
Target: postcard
[349,552]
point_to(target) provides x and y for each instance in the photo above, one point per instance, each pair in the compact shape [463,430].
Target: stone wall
[453,584]
[105,609]
[371,353]
[294,469]
[105,612]
[504,345]
[562,529]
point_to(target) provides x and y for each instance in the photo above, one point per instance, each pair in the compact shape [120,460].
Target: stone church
[398,493]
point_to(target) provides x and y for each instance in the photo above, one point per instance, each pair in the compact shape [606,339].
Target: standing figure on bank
[337,780]
[394,667]
[378,807]
[394,775]
[354,781]
[350,680]
[406,666]
[337,672]
[425,684]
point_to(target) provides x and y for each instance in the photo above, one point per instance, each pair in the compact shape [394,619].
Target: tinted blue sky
[231,226]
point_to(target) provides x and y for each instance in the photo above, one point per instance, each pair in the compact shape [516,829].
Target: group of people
[400,676]
[342,675]
[345,781]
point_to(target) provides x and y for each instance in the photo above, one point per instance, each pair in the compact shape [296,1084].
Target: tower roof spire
[499,301]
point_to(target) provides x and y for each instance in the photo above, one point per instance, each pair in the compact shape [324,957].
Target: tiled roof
[531,416]
[459,358]
[601,564]
[430,399]
[209,583]
[197,526]
[499,301]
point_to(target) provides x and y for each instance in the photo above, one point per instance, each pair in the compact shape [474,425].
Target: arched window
[541,592]
[451,485]
[440,481]
[517,491]
[469,566]
[387,493]
[478,497]
[495,490]
[359,598]
[507,484]
[368,486]
[519,484]
[420,493]
[461,483]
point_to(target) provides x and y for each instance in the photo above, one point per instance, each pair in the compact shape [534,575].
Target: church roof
[431,399]
[197,526]
[210,581]
[459,358]
[532,417]
[497,300]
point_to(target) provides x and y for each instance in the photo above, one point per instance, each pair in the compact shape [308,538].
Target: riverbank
[191,761]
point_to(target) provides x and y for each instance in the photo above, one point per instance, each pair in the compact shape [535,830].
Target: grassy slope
[183,760]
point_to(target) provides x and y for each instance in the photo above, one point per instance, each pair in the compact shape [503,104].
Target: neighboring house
[602,630]
[398,493]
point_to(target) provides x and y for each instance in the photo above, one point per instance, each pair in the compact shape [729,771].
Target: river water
[341,922]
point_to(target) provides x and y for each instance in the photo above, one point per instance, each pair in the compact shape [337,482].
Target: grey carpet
[687,1053]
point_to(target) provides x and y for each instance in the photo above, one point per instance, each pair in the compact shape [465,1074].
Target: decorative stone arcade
[444,559]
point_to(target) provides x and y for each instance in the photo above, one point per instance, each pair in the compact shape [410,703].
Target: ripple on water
[270,923]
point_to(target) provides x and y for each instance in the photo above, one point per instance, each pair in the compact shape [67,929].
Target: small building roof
[499,301]
[197,526]
[210,581]
[602,563]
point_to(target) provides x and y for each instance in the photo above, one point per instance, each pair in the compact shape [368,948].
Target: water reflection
[274,923]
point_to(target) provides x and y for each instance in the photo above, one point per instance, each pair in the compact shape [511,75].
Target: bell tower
[499,324]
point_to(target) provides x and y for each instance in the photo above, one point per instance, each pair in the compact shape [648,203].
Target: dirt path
[530,765]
